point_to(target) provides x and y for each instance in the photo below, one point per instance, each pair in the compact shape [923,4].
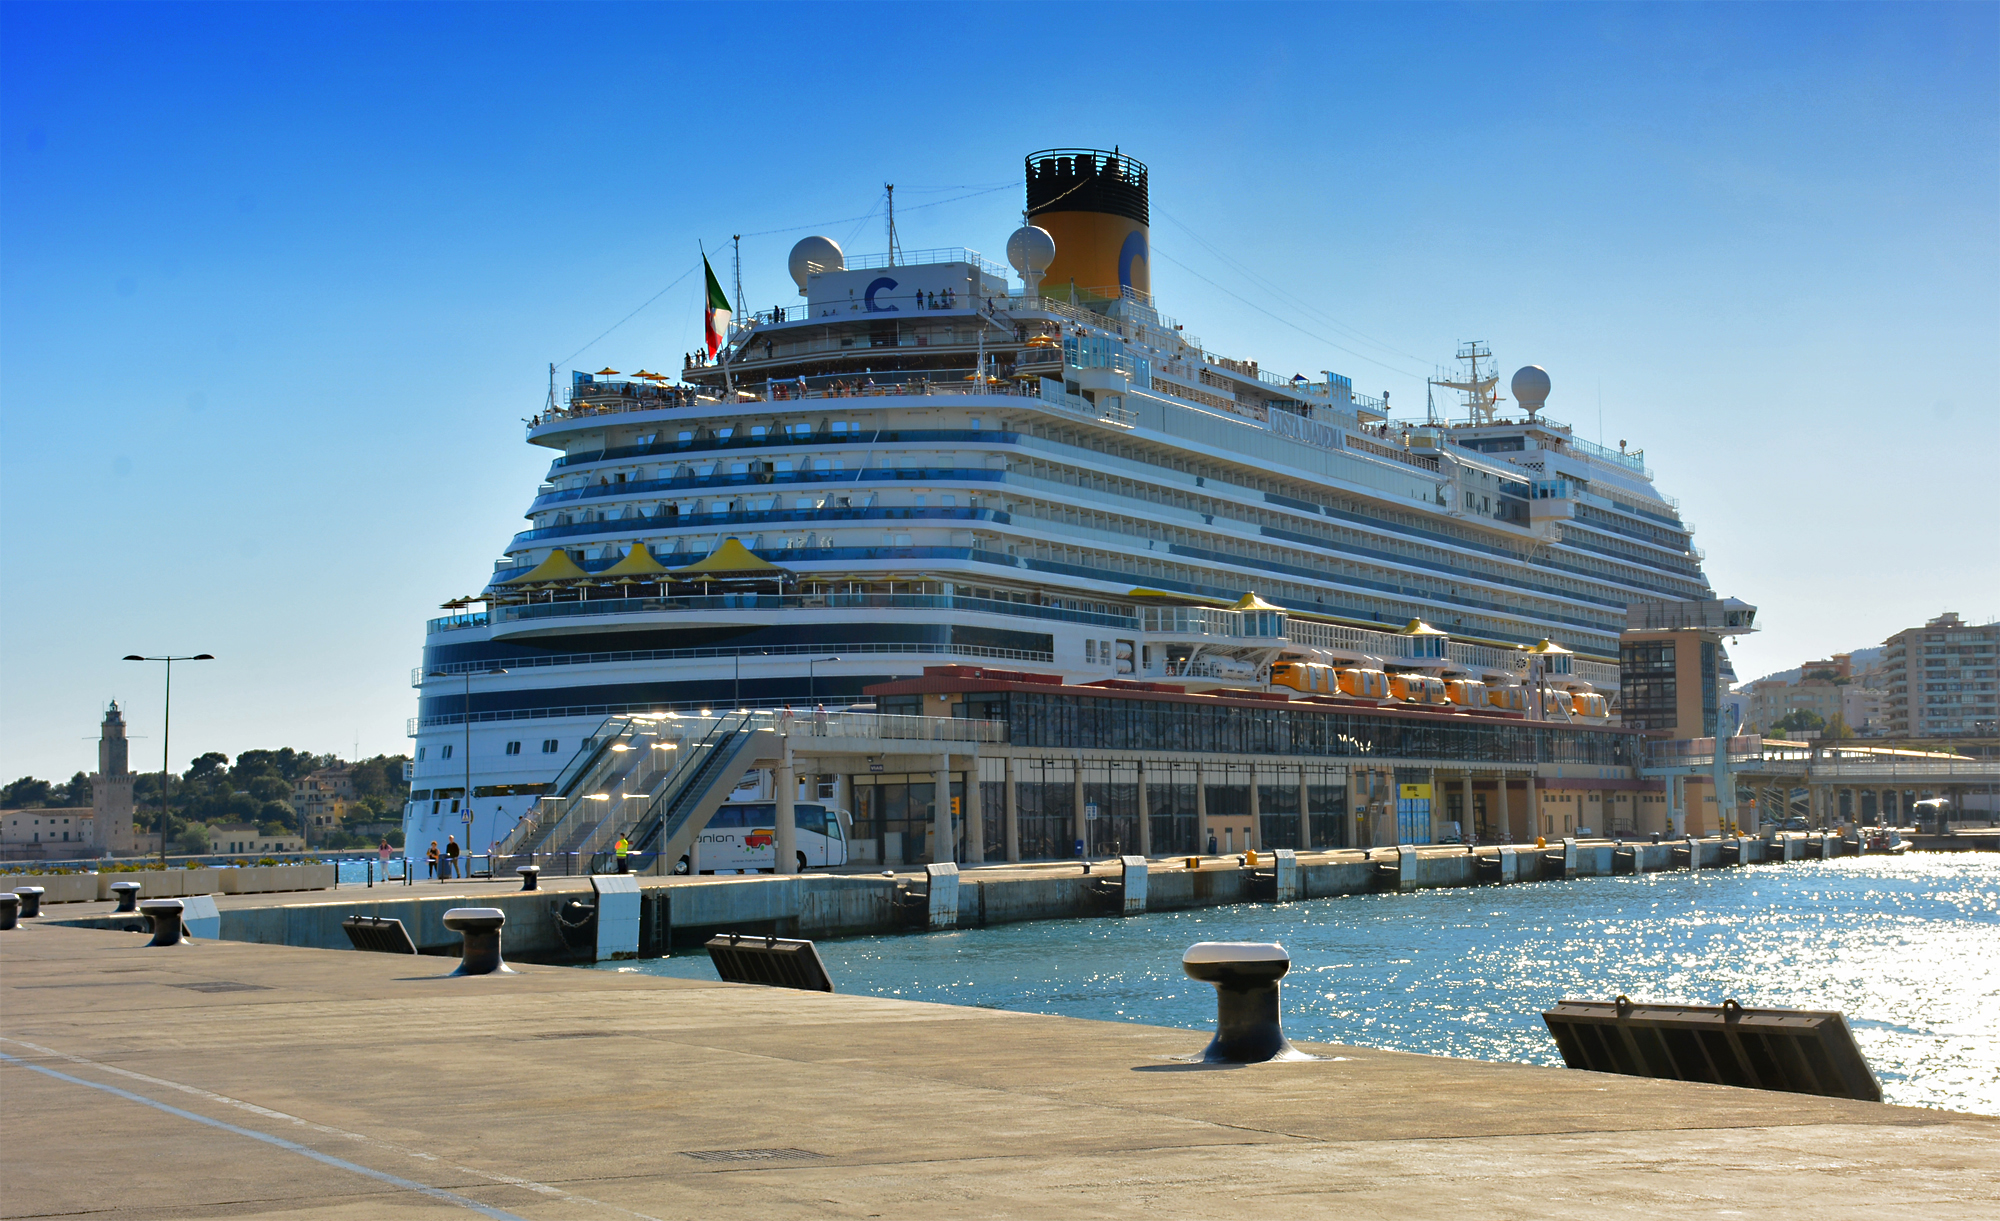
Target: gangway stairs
[618,763]
[706,772]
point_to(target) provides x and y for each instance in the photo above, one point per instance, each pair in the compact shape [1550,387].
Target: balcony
[695,604]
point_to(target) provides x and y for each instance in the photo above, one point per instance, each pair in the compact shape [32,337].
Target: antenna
[736,241]
[552,386]
[895,251]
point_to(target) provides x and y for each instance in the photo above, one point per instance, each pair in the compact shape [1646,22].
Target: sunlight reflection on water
[1907,947]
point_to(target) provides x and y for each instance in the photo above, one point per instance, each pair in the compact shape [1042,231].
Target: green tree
[193,838]
[1800,718]
[1837,729]
[25,793]
[75,793]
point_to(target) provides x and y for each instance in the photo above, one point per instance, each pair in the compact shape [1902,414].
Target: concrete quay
[687,910]
[228,1079]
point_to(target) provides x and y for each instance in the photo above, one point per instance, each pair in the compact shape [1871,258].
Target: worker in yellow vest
[621,848]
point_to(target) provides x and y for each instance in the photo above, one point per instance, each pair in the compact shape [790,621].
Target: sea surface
[1908,947]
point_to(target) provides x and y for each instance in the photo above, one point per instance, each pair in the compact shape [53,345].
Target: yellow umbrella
[607,371]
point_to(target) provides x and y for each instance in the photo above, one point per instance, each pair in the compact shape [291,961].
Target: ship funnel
[1093,204]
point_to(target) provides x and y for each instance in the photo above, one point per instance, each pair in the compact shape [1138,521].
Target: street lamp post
[466,807]
[811,681]
[166,728]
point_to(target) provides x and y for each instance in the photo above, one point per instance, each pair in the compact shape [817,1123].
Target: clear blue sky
[278,283]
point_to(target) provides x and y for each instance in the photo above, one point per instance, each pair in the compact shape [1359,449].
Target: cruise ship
[936,459]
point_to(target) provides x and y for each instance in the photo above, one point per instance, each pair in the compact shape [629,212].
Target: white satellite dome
[815,255]
[1530,387]
[1030,249]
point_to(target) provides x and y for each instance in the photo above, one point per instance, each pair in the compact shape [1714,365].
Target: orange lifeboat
[1418,688]
[1466,692]
[1364,684]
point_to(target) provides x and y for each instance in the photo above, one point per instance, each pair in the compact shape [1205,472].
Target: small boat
[1886,841]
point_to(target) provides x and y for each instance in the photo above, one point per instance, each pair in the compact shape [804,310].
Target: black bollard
[1245,975]
[531,876]
[480,926]
[168,927]
[31,901]
[10,910]
[127,894]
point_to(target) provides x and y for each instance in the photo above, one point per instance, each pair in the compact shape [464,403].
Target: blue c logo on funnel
[874,287]
[1134,250]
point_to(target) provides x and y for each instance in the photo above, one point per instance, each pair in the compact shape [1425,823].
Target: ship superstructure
[930,461]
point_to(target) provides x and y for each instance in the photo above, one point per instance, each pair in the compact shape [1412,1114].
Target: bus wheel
[802,862]
[684,865]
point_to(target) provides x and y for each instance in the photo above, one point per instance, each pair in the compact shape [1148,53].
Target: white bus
[741,838]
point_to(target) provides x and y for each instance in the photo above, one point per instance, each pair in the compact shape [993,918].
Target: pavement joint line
[224,1099]
[436,1193]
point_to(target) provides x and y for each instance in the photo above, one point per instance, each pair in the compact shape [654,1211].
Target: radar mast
[1478,382]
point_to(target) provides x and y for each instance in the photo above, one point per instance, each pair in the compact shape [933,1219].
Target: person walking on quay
[619,849]
[431,860]
[451,856]
[382,853]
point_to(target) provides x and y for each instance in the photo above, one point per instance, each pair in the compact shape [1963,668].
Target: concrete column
[1468,825]
[1145,812]
[1255,840]
[1305,812]
[785,786]
[941,841]
[1012,814]
[1502,810]
[1437,804]
[1534,812]
[1081,827]
[1201,831]
[975,816]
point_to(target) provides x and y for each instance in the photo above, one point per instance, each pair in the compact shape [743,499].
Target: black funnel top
[1087,180]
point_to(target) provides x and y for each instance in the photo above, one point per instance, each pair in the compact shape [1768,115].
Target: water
[1908,947]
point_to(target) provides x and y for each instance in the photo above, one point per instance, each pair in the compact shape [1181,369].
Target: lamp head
[132,657]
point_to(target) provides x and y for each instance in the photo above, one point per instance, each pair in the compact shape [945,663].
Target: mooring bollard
[531,876]
[10,910]
[127,894]
[168,928]
[31,901]
[1245,975]
[480,926]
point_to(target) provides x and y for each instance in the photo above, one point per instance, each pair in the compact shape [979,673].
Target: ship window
[686,436]
[513,748]
[548,746]
[420,753]
[901,540]
[948,501]
[445,752]
[758,430]
[1090,652]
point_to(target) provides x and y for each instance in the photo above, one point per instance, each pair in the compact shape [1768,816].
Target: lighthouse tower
[111,789]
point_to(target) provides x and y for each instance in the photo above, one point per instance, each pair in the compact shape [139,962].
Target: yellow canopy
[731,559]
[606,371]
[638,562]
[1251,602]
[558,567]
[1417,627]
[1548,646]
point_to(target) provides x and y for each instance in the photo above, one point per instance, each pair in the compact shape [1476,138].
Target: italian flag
[716,317]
